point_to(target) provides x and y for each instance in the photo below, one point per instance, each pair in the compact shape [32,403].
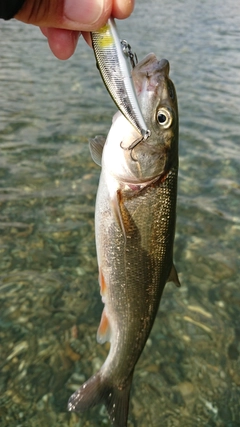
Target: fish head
[157,97]
[153,157]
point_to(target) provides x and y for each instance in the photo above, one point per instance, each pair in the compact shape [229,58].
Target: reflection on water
[189,373]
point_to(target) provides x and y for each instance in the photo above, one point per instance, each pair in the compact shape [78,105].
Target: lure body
[111,57]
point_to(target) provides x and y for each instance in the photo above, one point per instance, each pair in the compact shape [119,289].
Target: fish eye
[164,117]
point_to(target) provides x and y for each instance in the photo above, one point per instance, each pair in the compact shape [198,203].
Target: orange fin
[103,285]
[173,277]
[104,331]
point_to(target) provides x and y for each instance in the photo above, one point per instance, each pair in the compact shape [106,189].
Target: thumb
[79,15]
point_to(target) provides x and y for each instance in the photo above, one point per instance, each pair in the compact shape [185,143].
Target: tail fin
[98,390]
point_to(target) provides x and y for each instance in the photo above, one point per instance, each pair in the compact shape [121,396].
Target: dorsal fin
[96,148]
[173,277]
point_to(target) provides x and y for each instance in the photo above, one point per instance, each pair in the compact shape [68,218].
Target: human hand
[62,21]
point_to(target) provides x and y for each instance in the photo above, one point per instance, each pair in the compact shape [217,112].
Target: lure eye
[164,117]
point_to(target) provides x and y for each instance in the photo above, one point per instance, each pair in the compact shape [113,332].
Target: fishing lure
[112,56]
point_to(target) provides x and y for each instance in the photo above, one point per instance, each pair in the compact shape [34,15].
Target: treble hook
[127,50]
[132,146]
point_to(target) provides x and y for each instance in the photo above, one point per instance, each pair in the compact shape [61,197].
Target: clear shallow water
[189,373]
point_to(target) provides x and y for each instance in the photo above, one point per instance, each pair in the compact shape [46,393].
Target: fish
[112,56]
[135,219]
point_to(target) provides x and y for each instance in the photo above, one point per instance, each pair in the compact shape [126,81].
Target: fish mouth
[150,66]
[149,73]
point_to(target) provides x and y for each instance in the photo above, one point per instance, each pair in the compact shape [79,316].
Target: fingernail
[83,11]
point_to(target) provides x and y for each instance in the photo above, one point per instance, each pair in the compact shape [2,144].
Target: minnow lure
[112,61]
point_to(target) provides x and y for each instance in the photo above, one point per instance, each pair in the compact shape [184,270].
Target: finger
[78,15]
[87,37]
[44,31]
[61,42]
[122,9]
[92,14]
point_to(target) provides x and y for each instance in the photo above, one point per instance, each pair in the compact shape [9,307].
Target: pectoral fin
[118,214]
[96,148]
[173,277]
[122,216]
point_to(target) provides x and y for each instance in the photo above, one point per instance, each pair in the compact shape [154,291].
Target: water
[189,373]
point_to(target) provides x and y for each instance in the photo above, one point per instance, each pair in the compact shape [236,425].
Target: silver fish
[135,226]
[114,68]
